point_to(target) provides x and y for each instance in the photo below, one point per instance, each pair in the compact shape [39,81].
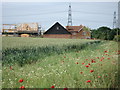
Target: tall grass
[62,65]
[30,54]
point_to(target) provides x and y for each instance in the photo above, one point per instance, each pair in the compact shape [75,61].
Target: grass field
[59,63]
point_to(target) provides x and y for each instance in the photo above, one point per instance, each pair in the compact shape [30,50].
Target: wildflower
[83,63]
[88,81]
[87,65]
[108,58]
[91,70]
[81,72]
[65,88]
[99,76]
[97,57]
[45,89]
[86,59]
[21,80]
[105,51]
[52,87]
[22,87]
[76,62]
[11,68]
[101,59]
[64,56]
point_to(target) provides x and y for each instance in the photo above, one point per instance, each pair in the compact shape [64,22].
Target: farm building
[58,31]
[79,32]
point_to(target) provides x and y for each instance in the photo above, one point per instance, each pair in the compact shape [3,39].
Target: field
[59,63]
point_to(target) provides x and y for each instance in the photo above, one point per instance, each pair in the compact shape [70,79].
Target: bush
[117,37]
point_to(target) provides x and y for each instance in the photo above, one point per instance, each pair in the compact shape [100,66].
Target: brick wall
[57,36]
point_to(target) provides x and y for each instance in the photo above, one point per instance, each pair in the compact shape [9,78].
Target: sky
[90,14]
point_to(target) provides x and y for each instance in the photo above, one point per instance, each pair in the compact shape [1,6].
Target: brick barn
[79,32]
[76,32]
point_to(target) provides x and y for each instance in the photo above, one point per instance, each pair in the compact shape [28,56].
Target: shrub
[117,37]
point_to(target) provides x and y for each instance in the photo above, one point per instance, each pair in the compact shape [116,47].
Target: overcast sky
[91,14]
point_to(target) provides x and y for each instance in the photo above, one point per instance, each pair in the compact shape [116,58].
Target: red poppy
[88,81]
[83,63]
[81,72]
[99,76]
[22,87]
[86,59]
[65,88]
[93,61]
[97,57]
[45,89]
[52,87]
[64,56]
[87,65]
[105,51]
[76,62]
[103,58]
[91,70]
[100,59]
[21,80]
[11,68]
[108,58]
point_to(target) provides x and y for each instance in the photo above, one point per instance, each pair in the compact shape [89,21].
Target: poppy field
[59,63]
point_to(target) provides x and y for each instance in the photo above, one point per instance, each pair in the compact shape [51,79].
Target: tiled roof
[74,28]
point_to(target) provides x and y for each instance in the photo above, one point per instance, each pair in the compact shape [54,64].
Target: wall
[57,36]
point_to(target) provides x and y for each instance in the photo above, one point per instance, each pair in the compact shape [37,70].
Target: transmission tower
[114,20]
[69,16]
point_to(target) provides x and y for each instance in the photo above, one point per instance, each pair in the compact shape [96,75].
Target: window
[57,28]
[84,33]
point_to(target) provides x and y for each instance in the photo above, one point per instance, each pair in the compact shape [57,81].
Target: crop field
[59,63]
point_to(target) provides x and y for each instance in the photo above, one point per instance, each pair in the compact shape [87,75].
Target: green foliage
[104,33]
[61,70]
[31,54]
[117,38]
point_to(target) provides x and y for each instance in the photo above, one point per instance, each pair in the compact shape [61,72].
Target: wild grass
[66,67]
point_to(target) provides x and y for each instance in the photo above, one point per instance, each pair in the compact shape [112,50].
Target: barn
[75,32]
[57,31]
[79,32]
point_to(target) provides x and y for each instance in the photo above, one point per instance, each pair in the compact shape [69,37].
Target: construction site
[21,30]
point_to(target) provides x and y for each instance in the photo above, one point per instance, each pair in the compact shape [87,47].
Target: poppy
[11,68]
[97,57]
[86,59]
[100,59]
[65,88]
[76,62]
[99,76]
[83,63]
[105,51]
[21,80]
[52,87]
[88,81]
[87,65]
[45,89]
[108,58]
[91,70]
[22,87]
[81,72]
[64,56]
